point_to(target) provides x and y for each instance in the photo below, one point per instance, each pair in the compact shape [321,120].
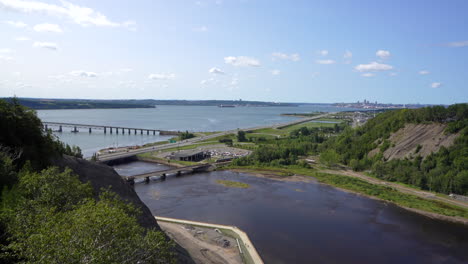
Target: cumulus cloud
[325,61]
[457,44]
[275,72]
[80,15]
[80,73]
[45,45]
[383,54]
[323,52]
[242,61]
[45,27]
[436,85]
[17,24]
[283,56]
[373,66]
[161,76]
[423,72]
[368,74]
[215,70]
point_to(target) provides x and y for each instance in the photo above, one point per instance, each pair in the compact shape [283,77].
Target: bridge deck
[98,126]
[170,171]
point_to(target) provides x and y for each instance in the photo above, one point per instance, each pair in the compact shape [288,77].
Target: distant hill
[40,103]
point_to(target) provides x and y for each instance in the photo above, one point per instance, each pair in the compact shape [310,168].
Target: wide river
[289,222]
[177,118]
[299,222]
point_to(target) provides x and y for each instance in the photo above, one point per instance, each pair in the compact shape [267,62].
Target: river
[304,222]
[177,118]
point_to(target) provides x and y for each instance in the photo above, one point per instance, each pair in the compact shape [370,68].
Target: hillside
[426,147]
[416,139]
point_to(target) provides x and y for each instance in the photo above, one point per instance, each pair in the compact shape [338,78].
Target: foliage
[22,133]
[233,184]
[241,136]
[186,135]
[51,217]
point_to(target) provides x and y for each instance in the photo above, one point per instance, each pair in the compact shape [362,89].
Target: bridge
[177,171]
[130,153]
[105,128]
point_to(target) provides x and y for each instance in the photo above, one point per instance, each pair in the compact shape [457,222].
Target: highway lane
[187,142]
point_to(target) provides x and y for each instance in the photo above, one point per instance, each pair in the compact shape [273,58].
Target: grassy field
[233,184]
[286,130]
[368,189]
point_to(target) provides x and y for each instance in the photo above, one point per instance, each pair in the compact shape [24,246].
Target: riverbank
[211,243]
[430,208]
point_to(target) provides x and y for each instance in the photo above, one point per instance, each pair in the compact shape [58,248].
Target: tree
[330,157]
[241,136]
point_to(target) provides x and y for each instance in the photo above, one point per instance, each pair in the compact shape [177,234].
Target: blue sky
[270,50]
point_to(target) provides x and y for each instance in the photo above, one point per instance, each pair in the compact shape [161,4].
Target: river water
[178,118]
[299,222]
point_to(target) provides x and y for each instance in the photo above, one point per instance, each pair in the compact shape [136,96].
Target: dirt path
[419,193]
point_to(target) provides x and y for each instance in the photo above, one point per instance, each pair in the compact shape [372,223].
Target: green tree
[330,157]
[241,136]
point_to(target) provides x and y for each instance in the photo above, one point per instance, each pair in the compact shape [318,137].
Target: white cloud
[393,74]
[242,61]
[323,52]
[45,27]
[215,70]
[283,56]
[457,44]
[6,51]
[45,45]
[424,72]
[348,56]
[368,74]
[83,16]
[373,66]
[5,58]
[436,84]
[325,61]
[383,54]
[18,24]
[80,73]
[22,39]
[200,29]
[275,72]
[161,76]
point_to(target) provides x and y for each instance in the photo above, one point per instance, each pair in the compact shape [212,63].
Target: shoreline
[303,178]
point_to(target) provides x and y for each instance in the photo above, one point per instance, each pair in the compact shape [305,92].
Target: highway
[130,153]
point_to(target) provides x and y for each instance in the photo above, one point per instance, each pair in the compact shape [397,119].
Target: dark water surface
[297,222]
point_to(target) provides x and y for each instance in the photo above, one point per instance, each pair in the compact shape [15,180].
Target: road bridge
[177,171]
[110,129]
[129,153]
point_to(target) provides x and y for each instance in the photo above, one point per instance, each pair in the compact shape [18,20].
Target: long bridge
[130,153]
[111,129]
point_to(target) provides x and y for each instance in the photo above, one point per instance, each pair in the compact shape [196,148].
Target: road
[130,153]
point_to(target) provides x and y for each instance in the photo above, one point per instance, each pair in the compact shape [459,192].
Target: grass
[286,130]
[233,184]
[363,187]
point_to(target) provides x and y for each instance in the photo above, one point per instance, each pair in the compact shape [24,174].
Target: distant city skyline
[401,52]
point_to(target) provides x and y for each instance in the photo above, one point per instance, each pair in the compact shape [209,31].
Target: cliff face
[102,176]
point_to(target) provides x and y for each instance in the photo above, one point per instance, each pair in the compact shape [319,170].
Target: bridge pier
[74,130]
[179,173]
[105,130]
[147,179]
[163,176]
[131,180]
[154,132]
[147,132]
[60,129]
[123,131]
[129,131]
[45,127]
[141,131]
[117,130]
[90,130]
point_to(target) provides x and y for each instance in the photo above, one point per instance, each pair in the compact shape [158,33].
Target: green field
[233,184]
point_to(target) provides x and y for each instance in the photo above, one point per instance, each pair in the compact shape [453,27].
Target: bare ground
[205,245]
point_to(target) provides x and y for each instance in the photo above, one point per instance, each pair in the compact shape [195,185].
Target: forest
[445,171]
[50,216]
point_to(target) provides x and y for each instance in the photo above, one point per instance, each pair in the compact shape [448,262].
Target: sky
[327,51]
